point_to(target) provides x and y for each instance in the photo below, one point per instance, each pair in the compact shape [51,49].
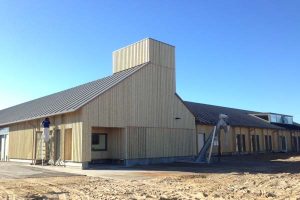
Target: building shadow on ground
[261,163]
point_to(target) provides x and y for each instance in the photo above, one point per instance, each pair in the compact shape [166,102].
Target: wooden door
[68,144]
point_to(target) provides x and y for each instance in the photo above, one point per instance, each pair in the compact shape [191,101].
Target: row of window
[255,143]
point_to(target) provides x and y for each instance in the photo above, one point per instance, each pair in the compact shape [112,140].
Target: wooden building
[250,132]
[132,117]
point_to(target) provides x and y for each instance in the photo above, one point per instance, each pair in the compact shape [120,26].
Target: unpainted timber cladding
[159,142]
[130,56]
[73,122]
[145,99]
[147,50]
[22,141]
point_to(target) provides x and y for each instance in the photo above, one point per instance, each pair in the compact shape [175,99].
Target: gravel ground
[255,177]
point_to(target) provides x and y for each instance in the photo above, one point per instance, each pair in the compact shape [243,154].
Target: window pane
[244,143]
[273,118]
[253,143]
[102,142]
[279,119]
[257,143]
[266,143]
[99,141]
[95,139]
[238,141]
[290,120]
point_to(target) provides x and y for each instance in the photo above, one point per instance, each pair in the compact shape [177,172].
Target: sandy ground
[249,177]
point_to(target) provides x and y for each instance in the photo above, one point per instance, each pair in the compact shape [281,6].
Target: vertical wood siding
[160,142]
[130,56]
[147,50]
[145,99]
[22,142]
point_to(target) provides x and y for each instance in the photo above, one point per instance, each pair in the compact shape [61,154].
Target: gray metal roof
[65,101]
[209,114]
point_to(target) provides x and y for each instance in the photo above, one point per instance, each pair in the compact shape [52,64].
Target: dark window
[255,143]
[238,141]
[95,139]
[268,143]
[283,143]
[294,143]
[241,143]
[298,143]
[244,142]
[99,142]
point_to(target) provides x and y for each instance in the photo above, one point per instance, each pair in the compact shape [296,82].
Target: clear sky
[236,53]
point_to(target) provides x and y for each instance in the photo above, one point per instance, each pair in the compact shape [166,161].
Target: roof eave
[42,116]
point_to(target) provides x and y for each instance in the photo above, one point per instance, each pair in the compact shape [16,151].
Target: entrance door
[68,144]
[201,140]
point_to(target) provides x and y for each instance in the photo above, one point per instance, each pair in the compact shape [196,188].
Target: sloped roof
[65,101]
[209,114]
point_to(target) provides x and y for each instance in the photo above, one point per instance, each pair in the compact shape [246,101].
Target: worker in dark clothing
[46,124]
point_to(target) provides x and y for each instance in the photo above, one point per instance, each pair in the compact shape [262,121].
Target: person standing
[46,124]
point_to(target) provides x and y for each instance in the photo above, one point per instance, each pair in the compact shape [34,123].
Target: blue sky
[235,53]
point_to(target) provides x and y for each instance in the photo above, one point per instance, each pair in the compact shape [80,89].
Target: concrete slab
[13,170]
